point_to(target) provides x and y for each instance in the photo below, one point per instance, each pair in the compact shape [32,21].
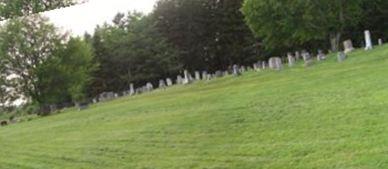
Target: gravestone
[218,74]
[95,100]
[169,82]
[321,55]
[275,63]
[297,55]
[179,80]
[264,65]
[236,70]
[291,59]
[106,96]
[162,84]
[380,41]
[242,69]
[204,75]
[226,73]
[149,87]
[82,106]
[306,55]
[131,89]
[187,78]
[348,46]
[197,75]
[255,67]
[341,56]
[209,77]
[368,40]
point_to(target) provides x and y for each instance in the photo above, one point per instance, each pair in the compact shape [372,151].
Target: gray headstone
[236,70]
[242,69]
[197,75]
[149,87]
[306,55]
[169,82]
[341,56]
[219,74]
[204,75]
[131,89]
[291,59]
[321,55]
[95,100]
[162,84]
[264,65]
[209,77]
[380,41]
[368,40]
[179,80]
[348,46]
[187,78]
[275,63]
[106,96]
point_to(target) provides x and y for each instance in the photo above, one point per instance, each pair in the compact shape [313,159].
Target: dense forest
[46,67]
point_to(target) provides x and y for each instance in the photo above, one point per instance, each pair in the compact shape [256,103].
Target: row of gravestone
[274,63]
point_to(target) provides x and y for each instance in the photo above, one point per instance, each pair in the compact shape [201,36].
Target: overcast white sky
[85,17]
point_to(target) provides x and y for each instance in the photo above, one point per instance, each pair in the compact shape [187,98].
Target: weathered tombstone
[380,41]
[321,55]
[306,55]
[169,82]
[204,75]
[242,69]
[275,63]
[149,87]
[341,56]
[197,75]
[348,46]
[226,73]
[131,89]
[106,96]
[187,79]
[297,55]
[116,95]
[236,70]
[368,40]
[162,84]
[264,65]
[255,67]
[291,59]
[218,74]
[82,106]
[179,80]
[95,100]
[209,77]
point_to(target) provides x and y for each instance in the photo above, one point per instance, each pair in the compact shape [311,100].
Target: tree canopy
[16,8]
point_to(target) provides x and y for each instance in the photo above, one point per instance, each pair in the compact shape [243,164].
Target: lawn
[330,115]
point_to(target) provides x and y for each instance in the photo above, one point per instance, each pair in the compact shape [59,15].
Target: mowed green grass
[331,115]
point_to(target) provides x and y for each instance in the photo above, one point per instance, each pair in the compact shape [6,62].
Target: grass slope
[331,115]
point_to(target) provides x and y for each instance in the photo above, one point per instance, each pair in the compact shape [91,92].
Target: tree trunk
[335,41]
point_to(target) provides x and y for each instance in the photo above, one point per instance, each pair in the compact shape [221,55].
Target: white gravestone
[368,40]
[348,46]
[291,59]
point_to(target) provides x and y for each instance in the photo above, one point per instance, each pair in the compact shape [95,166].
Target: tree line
[48,67]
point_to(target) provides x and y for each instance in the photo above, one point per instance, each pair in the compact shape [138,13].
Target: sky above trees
[85,17]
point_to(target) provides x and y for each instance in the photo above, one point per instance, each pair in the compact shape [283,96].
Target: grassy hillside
[331,115]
